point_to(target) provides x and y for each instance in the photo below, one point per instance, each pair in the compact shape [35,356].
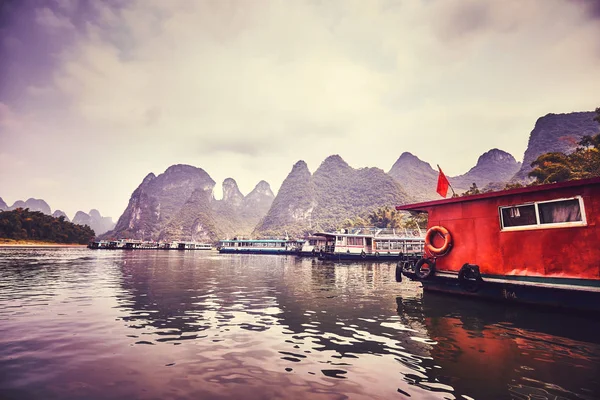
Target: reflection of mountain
[343,320]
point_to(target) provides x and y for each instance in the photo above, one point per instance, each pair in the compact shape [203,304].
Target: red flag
[442,184]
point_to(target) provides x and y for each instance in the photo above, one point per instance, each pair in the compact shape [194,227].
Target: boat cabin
[377,244]
[543,236]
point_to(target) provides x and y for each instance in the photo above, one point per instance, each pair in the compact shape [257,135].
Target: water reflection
[508,351]
[205,325]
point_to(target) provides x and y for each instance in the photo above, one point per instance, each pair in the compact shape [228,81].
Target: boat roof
[423,206]
[371,235]
[313,237]
[256,240]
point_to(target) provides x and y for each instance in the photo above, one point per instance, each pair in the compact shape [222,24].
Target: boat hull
[362,257]
[580,294]
[255,251]
[307,254]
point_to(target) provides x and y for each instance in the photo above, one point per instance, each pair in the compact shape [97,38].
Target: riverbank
[35,243]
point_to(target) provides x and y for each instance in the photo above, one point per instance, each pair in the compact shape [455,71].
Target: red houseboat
[538,245]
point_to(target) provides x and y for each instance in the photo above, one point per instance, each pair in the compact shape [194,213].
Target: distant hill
[257,203]
[238,215]
[33,205]
[194,220]
[325,199]
[158,199]
[94,220]
[417,177]
[59,213]
[420,179]
[179,205]
[23,224]
[556,133]
[493,166]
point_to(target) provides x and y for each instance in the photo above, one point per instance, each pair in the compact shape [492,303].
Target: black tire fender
[469,278]
[425,274]
[399,269]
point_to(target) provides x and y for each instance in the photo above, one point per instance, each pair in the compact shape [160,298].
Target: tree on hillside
[472,190]
[583,163]
[385,217]
[22,224]
[388,217]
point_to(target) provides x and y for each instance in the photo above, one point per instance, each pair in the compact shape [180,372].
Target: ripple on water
[90,324]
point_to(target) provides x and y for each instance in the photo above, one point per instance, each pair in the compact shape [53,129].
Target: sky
[94,95]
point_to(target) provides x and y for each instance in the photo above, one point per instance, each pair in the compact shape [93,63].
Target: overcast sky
[94,95]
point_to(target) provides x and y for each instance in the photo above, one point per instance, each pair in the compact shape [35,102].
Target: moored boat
[189,246]
[133,244]
[312,246]
[260,246]
[370,244]
[537,245]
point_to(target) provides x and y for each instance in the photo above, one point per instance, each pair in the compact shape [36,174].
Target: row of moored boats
[347,244]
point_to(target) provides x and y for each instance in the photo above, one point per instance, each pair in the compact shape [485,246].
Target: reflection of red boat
[537,245]
[492,351]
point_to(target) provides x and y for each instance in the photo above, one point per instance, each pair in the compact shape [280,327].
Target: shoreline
[4,243]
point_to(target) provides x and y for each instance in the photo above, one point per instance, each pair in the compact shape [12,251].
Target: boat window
[560,211]
[543,214]
[355,241]
[519,215]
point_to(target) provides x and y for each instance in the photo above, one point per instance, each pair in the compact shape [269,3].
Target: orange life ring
[443,232]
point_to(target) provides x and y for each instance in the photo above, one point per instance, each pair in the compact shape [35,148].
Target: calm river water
[83,324]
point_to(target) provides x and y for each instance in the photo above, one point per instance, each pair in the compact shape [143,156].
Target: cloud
[9,121]
[49,19]
[592,8]
[244,89]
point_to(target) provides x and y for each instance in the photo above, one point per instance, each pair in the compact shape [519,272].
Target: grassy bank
[34,243]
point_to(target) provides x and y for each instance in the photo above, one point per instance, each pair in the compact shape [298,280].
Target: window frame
[539,225]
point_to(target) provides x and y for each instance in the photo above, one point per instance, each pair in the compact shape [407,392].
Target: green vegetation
[336,196]
[514,185]
[22,224]
[386,217]
[472,190]
[583,163]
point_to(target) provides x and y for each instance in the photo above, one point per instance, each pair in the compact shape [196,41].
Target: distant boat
[312,246]
[189,246]
[133,244]
[538,245]
[370,244]
[260,246]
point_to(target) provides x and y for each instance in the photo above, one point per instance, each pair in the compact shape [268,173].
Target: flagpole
[451,188]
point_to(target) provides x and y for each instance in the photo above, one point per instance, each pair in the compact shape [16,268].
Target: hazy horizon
[96,95]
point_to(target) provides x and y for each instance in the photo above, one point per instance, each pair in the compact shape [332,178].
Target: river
[93,324]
